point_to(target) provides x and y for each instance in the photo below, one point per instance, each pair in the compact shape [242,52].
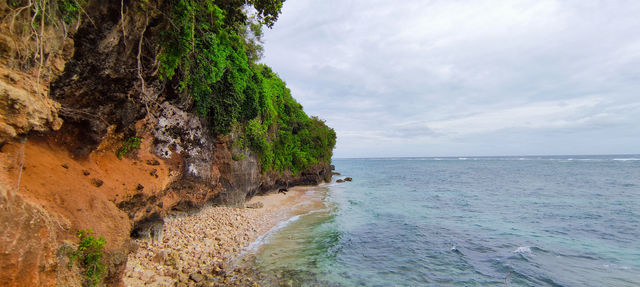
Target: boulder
[196,277]
[348,179]
[255,205]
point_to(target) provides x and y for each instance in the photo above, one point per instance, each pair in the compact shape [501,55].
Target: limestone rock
[196,277]
[22,111]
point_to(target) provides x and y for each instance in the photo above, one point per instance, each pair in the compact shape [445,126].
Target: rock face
[23,111]
[26,259]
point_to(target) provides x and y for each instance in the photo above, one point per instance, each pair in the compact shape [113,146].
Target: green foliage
[69,10]
[283,135]
[210,50]
[89,256]
[128,145]
[54,10]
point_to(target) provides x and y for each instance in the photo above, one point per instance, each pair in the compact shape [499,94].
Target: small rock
[348,179]
[65,166]
[85,172]
[183,277]
[140,187]
[97,182]
[255,205]
[154,172]
[339,180]
[196,277]
[153,162]
[159,258]
[335,173]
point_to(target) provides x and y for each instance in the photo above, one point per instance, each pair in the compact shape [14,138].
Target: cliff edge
[92,136]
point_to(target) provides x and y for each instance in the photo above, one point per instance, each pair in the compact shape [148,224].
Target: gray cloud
[433,78]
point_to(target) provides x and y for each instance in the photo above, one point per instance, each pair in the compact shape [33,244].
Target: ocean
[476,221]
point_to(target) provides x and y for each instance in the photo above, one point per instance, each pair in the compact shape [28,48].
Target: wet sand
[202,249]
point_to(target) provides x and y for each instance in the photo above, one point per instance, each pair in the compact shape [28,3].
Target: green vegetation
[29,21]
[128,145]
[70,9]
[210,52]
[53,10]
[89,256]
[282,134]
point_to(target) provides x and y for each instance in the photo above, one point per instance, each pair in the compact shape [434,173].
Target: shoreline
[204,248]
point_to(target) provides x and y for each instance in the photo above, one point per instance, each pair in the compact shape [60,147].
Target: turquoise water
[531,221]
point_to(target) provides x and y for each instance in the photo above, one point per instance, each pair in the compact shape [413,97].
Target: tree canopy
[210,50]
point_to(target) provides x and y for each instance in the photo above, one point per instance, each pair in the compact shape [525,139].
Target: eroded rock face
[24,110]
[27,245]
[24,78]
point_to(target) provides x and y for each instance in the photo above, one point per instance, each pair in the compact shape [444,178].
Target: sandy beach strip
[197,249]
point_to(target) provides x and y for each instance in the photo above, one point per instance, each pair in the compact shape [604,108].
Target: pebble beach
[203,249]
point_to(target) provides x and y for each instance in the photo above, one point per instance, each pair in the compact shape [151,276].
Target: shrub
[89,256]
[128,145]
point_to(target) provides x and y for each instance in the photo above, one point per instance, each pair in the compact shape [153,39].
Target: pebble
[204,243]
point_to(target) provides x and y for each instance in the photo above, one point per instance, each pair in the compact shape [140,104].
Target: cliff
[92,138]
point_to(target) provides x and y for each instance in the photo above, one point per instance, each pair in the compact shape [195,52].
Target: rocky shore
[199,249]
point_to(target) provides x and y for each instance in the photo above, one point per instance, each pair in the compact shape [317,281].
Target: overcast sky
[464,78]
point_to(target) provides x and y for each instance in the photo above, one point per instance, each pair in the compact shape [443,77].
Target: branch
[146,18]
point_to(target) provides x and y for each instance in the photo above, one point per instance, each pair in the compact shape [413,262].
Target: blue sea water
[503,221]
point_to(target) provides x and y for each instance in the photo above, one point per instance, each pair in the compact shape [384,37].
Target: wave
[523,250]
[627,159]
[264,238]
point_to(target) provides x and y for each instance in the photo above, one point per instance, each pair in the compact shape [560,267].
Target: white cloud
[421,77]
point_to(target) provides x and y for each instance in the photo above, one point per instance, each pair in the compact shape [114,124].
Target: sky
[465,78]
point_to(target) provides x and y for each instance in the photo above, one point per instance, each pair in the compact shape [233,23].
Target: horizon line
[492,156]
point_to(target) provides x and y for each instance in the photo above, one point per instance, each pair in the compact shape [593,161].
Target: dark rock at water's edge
[340,180]
[348,179]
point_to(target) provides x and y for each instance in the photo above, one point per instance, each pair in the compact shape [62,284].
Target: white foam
[264,238]
[627,159]
[523,250]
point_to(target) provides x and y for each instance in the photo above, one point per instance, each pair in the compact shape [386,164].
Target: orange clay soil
[83,193]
